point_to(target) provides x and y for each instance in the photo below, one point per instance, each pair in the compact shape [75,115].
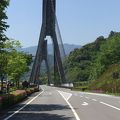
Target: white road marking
[73,110]
[23,106]
[30,112]
[66,95]
[85,104]
[99,94]
[81,96]
[94,99]
[87,97]
[110,105]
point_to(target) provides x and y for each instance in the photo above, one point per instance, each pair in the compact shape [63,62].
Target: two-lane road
[96,106]
[48,105]
[63,104]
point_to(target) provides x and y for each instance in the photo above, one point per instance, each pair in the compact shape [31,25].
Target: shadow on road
[45,107]
[40,116]
[40,112]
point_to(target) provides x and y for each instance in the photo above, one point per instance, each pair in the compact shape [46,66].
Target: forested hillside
[32,50]
[93,60]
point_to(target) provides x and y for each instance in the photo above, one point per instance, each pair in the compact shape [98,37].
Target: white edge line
[23,106]
[69,96]
[110,105]
[73,110]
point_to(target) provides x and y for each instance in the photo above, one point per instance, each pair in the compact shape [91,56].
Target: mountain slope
[89,62]
[108,82]
[68,48]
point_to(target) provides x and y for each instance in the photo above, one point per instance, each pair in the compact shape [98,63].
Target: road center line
[23,106]
[73,110]
[110,105]
[94,99]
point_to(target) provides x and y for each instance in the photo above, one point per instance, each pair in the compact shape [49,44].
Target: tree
[3,66]
[3,24]
[18,62]
[3,27]
[16,66]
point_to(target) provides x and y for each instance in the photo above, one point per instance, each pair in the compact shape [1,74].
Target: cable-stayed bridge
[49,30]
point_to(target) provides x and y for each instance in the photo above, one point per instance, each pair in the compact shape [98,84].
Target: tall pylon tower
[47,29]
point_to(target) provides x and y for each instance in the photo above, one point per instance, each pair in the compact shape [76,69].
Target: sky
[80,21]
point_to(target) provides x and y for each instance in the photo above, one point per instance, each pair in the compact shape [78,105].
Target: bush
[36,89]
[28,91]
[6,100]
[19,95]
[81,88]
[0,103]
[14,97]
[32,90]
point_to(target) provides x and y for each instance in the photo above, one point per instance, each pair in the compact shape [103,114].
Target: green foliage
[82,86]
[13,63]
[79,63]
[93,60]
[106,82]
[3,24]
[3,62]
[16,65]
[7,100]
[56,79]
[12,45]
[9,47]
[3,27]
[18,62]
[109,54]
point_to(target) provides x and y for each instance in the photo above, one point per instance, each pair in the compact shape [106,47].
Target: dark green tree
[3,27]
[3,24]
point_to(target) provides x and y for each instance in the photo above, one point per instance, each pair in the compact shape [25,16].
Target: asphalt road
[63,104]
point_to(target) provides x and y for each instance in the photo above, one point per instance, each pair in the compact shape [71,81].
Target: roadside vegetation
[96,66]
[13,65]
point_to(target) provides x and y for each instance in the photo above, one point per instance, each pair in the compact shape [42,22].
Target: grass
[106,82]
